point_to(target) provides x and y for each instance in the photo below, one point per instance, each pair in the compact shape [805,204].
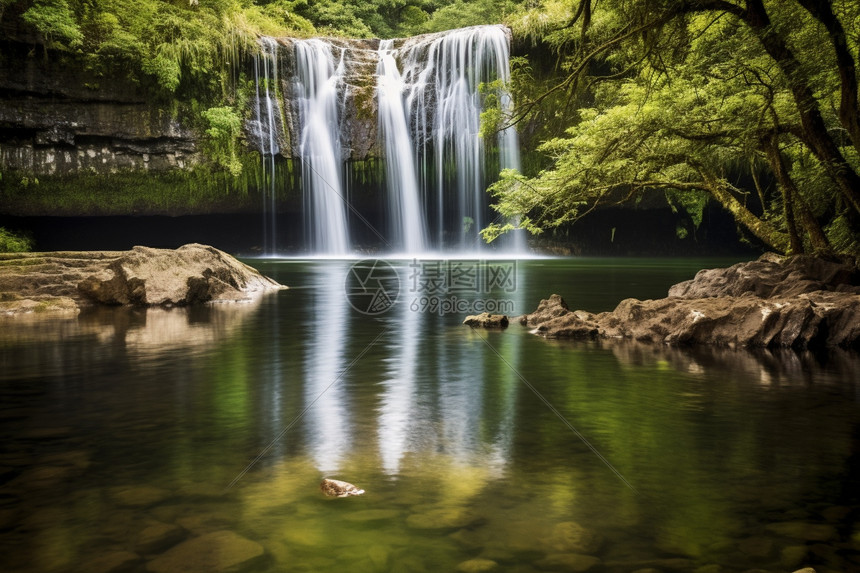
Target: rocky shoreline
[62,283]
[773,302]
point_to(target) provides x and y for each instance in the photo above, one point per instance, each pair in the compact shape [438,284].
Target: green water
[129,434]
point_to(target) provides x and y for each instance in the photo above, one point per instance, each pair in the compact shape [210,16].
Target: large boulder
[58,284]
[191,274]
[796,302]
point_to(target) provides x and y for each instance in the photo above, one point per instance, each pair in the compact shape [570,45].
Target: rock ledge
[792,302]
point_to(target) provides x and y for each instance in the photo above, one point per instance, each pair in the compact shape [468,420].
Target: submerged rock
[210,553]
[570,537]
[804,531]
[809,303]
[113,562]
[157,537]
[568,562]
[138,496]
[337,488]
[477,565]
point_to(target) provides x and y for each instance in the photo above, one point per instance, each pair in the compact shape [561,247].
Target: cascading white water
[266,123]
[443,74]
[407,219]
[317,78]
[429,119]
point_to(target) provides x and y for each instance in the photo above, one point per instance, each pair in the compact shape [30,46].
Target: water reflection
[399,417]
[328,424]
[52,348]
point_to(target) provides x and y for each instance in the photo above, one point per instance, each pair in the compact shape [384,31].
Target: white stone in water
[337,488]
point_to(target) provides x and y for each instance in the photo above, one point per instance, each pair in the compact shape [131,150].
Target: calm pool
[195,440]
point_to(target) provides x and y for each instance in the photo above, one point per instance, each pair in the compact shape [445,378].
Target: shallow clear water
[126,434]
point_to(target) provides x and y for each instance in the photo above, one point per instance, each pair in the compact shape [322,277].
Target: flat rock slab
[220,551]
[63,282]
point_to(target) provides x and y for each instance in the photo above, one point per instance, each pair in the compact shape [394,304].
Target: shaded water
[124,423]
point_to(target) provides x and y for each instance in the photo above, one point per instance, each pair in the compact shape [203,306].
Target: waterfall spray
[444,73]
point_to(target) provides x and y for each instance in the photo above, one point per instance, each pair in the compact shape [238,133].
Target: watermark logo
[372,286]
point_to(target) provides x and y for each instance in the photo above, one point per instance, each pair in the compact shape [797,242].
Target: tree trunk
[794,204]
[763,230]
[819,241]
[787,189]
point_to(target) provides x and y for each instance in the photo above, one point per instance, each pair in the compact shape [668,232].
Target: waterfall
[266,126]
[429,99]
[444,73]
[316,90]
[407,220]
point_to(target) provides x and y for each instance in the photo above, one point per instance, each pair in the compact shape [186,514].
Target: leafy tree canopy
[749,103]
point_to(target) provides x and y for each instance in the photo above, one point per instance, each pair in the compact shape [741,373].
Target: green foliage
[14,243]
[55,21]
[690,100]
[167,46]
[225,127]
[462,13]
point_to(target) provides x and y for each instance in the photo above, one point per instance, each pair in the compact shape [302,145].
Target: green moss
[125,193]
[199,190]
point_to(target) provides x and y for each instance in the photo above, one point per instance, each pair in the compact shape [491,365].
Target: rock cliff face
[793,302]
[58,119]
